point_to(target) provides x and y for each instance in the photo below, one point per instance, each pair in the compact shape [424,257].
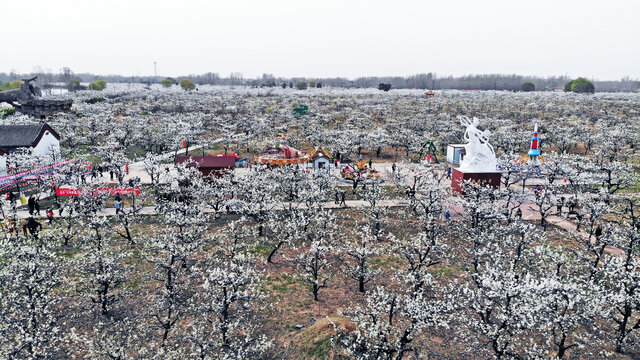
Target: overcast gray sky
[349,38]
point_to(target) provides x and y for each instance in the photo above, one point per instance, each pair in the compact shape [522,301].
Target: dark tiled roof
[21,135]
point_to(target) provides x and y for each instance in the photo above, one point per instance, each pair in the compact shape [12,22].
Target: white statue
[479,156]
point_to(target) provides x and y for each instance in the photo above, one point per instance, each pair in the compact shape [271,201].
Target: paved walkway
[527,214]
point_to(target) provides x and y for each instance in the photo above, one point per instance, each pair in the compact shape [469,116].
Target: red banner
[99,191]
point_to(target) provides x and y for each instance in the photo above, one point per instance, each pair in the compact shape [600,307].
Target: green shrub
[187,85]
[527,86]
[98,85]
[95,99]
[582,86]
[168,82]
[567,86]
[301,85]
[12,85]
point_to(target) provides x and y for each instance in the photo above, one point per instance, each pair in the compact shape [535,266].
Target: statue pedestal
[491,179]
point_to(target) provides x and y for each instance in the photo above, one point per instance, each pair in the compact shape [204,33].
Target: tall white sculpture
[479,157]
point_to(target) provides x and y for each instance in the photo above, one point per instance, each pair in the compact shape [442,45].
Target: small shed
[455,153]
[209,165]
[321,160]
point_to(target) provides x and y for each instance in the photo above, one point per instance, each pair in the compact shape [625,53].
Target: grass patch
[385,263]
[445,271]
[318,349]
[261,249]
[279,283]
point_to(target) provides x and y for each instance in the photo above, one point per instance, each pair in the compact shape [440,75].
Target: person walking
[50,215]
[447,216]
[31,204]
[36,205]
[559,207]
[117,204]
[519,214]
[537,191]
[598,232]
[342,201]
[393,168]
[572,206]
[579,217]
[337,198]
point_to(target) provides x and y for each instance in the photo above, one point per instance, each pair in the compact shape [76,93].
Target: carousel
[282,155]
[361,173]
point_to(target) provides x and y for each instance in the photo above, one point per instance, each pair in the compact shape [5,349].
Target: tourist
[83,179]
[519,214]
[579,217]
[572,206]
[33,226]
[342,201]
[111,174]
[393,167]
[31,204]
[337,195]
[598,233]
[448,173]
[36,205]
[559,207]
[370,164]
[50,215]
[447,216]
[117,204]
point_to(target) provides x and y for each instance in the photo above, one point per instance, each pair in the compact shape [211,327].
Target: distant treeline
[418,81]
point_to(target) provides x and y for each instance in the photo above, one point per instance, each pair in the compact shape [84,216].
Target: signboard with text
[99,191]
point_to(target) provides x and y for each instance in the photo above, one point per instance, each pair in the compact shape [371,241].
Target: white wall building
[321,160]
[41,139]
[3,163]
